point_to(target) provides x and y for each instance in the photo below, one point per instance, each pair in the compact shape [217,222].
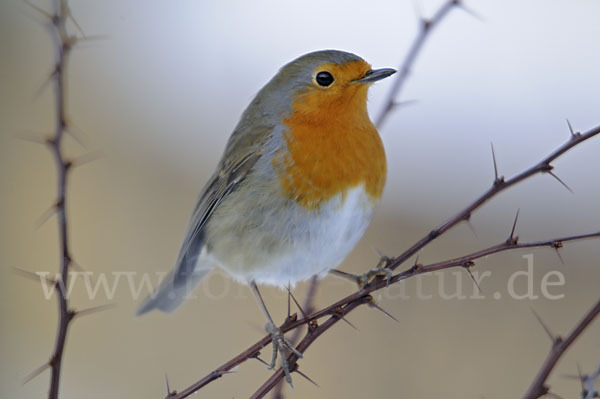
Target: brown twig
[538,387]
[425,29]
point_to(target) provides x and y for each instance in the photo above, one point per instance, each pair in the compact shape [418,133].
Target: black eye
[324,78]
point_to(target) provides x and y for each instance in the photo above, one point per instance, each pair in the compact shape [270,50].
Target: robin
[295,189]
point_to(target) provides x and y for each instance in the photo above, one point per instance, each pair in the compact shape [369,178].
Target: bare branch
[63,43]
[341,308]
[542,166]
[426,27]
[538,387]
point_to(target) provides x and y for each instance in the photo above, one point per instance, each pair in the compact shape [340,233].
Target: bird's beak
[376,74]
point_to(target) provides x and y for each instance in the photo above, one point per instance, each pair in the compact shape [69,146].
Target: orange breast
[332,147]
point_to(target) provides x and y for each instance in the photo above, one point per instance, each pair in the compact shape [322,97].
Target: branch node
[433,234]
[426,24]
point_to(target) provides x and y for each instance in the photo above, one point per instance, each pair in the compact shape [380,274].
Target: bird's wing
[242,152]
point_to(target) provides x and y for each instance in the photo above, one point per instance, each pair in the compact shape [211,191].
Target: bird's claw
[380,270]
[281,345]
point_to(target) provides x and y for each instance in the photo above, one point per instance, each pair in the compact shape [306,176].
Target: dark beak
[376,74]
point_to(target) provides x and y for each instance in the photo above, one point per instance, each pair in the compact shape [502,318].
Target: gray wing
[222,183]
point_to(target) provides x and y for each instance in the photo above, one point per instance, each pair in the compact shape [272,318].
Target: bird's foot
[281,345]
[362,280]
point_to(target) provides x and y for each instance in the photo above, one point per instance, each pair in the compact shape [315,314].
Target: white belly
[300,245]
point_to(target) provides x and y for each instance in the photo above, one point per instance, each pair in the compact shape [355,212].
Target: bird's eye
[324,78]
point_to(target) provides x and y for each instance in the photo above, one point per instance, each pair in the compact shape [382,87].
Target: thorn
[223,372]
[93,309]
[259,359]
[262,361]
[46,81]
[33,276]
[36,372]
[296,302]
[511,238]
[418,9]
[339,315]
[548,332]
[69,129]
[416,266]
[580,374]
[560,181]
[306,377]
[469,11]
[556,246]
[471,227]
[289,306]
[46,215]
[76,266]
[372,304]
[86,158]
[31,137]
[468,267]
[400,104]
[86,39]
[378,252]
[571,128]
[40,10]
[497,179]
[167,382]
[72,18]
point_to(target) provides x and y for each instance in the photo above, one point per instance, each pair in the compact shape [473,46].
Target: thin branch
[543,166]
[425,29]
[63,44]
[63,50]
[341,308]
[538,387]
[308,308]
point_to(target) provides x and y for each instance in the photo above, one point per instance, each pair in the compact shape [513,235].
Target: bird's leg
[280,343]
[361,280]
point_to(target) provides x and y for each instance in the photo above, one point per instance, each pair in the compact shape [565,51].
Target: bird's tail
[170,294]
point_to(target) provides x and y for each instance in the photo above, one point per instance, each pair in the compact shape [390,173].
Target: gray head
[327,74]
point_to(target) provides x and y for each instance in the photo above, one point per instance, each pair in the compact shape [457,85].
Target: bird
[295,189]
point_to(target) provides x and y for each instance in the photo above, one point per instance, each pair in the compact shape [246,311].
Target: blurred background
[158,98]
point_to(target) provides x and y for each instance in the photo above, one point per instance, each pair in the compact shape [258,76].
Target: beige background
[158,98]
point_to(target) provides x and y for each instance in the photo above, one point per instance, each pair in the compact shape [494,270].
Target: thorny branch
[538,387]
[426,27]
[307,309]
[63,45]
[341,308]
